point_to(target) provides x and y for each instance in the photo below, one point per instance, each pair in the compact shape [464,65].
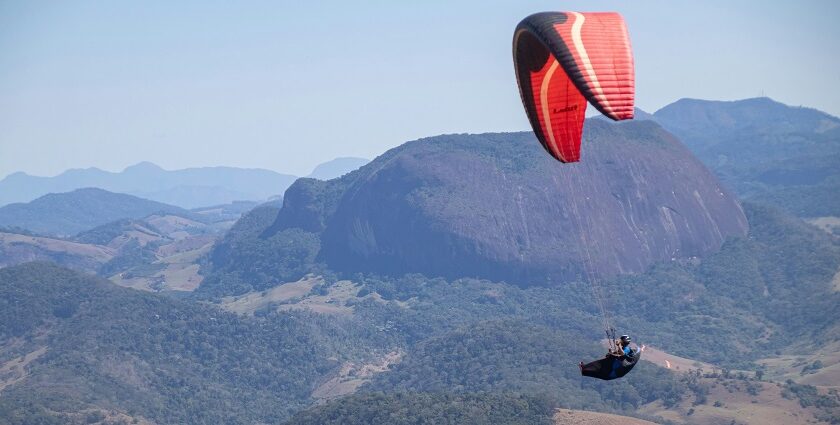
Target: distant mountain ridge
[66,214]
[187,188]
[695,118]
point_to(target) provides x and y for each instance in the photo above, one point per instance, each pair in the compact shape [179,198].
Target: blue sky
[285,86]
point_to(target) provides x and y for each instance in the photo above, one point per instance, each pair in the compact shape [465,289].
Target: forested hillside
[784,155]
[66,214]
[102,347]
[436,408]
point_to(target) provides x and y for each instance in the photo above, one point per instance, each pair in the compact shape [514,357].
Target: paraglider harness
[615,364]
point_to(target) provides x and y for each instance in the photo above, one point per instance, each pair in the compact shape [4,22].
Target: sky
[284,85]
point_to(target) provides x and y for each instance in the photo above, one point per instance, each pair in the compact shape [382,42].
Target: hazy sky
[285,86]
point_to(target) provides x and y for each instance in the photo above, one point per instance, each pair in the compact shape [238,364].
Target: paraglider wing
[610,367]
[564,59]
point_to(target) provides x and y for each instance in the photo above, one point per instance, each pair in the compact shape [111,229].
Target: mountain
[337,168]
[491,206]
[764,150]
[66,214]
[187,188]
[495,206]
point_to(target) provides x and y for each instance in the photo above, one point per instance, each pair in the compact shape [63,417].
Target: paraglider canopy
[564,60]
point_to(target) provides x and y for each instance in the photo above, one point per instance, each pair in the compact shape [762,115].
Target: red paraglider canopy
[563,60]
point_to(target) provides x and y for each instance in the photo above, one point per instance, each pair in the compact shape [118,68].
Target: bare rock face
[497,206]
